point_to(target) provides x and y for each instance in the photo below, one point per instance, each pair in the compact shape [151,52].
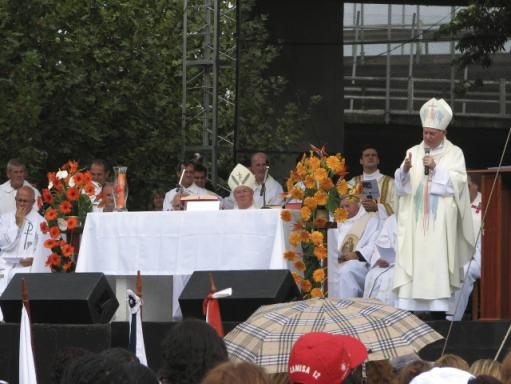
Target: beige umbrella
[267,336]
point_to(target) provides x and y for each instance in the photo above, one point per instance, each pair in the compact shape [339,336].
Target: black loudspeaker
[250,290]
[61,298]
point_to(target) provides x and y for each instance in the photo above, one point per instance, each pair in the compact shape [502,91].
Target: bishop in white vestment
[435,236]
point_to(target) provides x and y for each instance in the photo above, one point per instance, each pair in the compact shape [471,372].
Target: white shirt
[191,190]
[8,196]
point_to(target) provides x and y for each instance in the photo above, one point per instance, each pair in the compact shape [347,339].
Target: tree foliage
[483,28]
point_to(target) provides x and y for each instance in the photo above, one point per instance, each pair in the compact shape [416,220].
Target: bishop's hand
[21,212]
[408,163]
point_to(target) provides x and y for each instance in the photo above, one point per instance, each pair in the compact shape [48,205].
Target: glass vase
[120,188]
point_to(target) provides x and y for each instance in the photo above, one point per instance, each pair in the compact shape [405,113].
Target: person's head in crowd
[108,197]
[242,184]
[200,175]
[484,379]
[98,171]
[188,167]
[279,378]
[25,198]
[258,163]
[443,375]
[190,350]
[435,115]
[140,374]
[236,373]
[377,372]
[95,369]
[120,355]
[62,359]
[351,205]
[473,186]
[486,367]
[453,361]
[506,368]
[16,172]
[369,159]
[324,358]
[411,370]
[157,198]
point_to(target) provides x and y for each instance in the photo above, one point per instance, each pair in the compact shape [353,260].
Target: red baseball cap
[324,358]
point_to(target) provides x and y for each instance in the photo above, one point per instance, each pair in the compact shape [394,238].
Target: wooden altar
[495,284]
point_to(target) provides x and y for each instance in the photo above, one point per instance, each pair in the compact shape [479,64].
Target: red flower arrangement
[66,209]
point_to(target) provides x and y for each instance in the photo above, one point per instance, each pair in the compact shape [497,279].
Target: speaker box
[61,298]
[250,290]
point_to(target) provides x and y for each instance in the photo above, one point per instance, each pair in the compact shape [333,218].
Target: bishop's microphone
[426,168]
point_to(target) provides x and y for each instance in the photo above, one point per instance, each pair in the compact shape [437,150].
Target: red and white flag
[211,308]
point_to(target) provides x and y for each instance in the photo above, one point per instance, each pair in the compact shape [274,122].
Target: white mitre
[241,176]
[436,113]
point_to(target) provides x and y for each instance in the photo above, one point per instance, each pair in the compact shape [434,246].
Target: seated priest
[21,239]
[379,279]
[186,187]
[353,240]
[242,183]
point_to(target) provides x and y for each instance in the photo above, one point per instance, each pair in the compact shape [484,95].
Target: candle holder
[120,188]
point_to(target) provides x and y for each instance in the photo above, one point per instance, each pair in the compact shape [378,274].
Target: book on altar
[201,203]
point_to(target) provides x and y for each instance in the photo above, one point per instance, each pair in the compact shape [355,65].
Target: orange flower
[44,227]
[87,177]
[326,184]
[290,184]
[89,189]
[314,162]
[297,193]
[50,214]
[299,265]
[294,239]
[78,178]
[320,252]
[309,182]
[333,163]
[304,236]
[342,187]
[47,196]
[54,232]
[297,277]
[68,265]
[306,286]
[72,194]
[316,292]
[285,215]
[53,260]
[52,176]
[298,225]
[310,202]
[299,169]
[50,243]
[67,250]
[320,174]
[356,189]
[317,238]
[72,222]
[58,186]
[73,166]
[320,222]
[65,207]
[340,215]
[290,255]
[322,197]
[39,202]
[305,213]
[318,275]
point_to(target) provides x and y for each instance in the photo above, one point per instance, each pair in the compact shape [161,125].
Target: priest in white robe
[435,236]
[385,203]
[351,246]
[186,187]
[242,183]
[379,279]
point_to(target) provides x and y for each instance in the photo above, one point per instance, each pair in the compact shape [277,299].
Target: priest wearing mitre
[242,183]
[435,236]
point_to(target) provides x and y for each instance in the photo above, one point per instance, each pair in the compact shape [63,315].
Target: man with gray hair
[16,173]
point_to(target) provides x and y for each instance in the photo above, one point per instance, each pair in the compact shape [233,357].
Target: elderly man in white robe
[21,239]
[435,236]
[379,279]
[242,183]
[16,173]
[351,247]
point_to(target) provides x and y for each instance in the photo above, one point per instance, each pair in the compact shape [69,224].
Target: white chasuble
[435,236]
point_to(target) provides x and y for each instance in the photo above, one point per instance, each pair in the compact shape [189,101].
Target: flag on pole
[136,335]
[211,308]
[27,372]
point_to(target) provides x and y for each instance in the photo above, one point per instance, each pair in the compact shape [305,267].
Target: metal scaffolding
[209,59]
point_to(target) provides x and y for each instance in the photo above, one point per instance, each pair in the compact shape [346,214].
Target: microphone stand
[263,188]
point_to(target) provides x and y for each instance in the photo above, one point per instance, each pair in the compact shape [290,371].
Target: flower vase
[120,188]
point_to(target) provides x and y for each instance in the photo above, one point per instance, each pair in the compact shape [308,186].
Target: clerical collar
[371,176]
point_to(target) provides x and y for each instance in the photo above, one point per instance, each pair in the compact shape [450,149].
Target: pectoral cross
[30,227]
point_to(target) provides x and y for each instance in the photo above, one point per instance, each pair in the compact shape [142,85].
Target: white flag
[136,335]
[27,373]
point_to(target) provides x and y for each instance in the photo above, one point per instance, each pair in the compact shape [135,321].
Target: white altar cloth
[179,242]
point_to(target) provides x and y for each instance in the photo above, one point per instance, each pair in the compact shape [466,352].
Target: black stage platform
[470,339]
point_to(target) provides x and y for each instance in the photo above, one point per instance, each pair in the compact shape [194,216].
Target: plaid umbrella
[267,336]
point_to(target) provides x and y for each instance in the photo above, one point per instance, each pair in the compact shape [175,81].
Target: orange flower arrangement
[66,208]
[318,181]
